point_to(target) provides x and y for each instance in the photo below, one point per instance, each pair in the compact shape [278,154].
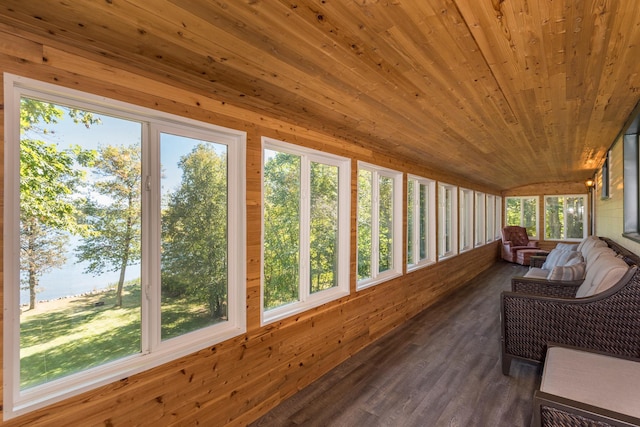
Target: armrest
[550,288]
[532,244]
[537,260]
[558,411]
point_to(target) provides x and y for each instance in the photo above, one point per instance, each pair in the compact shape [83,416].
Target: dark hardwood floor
[441,368]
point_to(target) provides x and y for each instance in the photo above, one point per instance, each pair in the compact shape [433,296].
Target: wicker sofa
[606,321]
[600,266]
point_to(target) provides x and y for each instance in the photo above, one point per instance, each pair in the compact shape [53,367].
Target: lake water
[70,281]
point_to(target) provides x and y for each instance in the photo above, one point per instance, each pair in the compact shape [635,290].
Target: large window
[447,220]
[117,249]
[631,194]
[305,229]
[523,211]
[379,224]
[421,225]
[565,217]
[480,219]
[466,219]
[491,218]
[498,213]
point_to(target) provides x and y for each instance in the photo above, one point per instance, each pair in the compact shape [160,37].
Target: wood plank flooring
[441,368]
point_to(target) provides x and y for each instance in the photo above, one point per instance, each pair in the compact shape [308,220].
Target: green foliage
[522,211]
[112,239]
[281,230]
[324,227]
[365,207]
[194,233]
[48,179]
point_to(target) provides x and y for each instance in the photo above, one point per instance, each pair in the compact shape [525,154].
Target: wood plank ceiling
[502,92]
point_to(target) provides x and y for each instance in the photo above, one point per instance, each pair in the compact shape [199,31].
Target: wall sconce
[590,183]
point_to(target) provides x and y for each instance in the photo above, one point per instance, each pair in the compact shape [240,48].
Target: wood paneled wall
[238,380]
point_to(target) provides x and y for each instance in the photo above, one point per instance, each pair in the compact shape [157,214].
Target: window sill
[632,236]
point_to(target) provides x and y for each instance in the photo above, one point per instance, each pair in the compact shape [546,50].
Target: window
[305,229]
[491,218]
[564,217]
[421,225]
[379,225]
[606,177]
[523,211]
[447,220]
[498,212]
[631,177]
[466,219]
[120,217]
[480,219]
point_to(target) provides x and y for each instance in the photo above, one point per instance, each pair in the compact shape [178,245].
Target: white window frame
[466,204]
[308,300]
[585,217]
[378,277]
[443,220]
[480,219]
[430,223]
[522,198]
[154,351]
[491,218]
[498,217]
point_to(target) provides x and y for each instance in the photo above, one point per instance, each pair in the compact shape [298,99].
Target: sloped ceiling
[502,92]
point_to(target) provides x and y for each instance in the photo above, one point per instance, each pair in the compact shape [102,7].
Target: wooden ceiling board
[502,93]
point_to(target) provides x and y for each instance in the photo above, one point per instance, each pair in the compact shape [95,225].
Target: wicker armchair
[608,321]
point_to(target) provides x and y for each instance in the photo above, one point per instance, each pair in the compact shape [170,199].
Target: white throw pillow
[567,246]
[559,258]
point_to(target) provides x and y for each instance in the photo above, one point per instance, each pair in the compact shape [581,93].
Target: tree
[281,230]
[48,178]
[194,232]
[112,242]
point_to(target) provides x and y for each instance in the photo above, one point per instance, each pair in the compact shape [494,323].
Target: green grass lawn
[65,336]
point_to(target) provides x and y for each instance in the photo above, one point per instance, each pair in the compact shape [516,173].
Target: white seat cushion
[603,381]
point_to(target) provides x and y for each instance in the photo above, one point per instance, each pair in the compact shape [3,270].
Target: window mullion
[375,224]
[151,239]
[305,227]
[417,215]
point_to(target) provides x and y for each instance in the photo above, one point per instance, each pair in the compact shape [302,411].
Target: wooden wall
[236,381]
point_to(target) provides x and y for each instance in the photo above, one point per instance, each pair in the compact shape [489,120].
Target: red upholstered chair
[515,238]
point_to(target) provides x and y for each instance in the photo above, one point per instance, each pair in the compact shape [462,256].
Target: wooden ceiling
[502,92]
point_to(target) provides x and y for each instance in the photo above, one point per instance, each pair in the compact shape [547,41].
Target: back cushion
[587,241]
[592,245]
[595,253]
[605,272]
[558,257]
